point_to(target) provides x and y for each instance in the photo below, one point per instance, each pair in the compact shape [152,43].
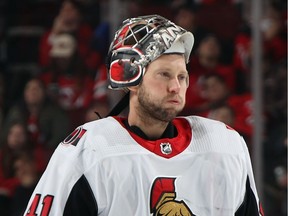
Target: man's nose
[174,85]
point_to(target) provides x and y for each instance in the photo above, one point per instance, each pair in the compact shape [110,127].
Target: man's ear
[133,88]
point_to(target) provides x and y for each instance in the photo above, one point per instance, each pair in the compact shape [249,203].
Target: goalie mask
[140,41]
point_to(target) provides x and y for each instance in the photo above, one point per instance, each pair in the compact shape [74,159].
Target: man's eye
[164,74]
[182,77]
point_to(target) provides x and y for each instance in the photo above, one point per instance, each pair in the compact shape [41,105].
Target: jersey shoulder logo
[163,199]
[74,137]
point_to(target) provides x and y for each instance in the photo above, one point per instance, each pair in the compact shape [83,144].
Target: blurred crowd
[40,107]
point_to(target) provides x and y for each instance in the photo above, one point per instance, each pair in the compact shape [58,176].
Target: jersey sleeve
[63,184]
[250,205]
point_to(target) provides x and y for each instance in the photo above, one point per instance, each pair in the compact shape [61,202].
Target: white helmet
[138,42]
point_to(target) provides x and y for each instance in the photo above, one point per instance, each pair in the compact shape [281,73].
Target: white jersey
[103,168]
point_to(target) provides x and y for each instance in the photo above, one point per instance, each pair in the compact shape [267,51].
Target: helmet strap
[120,106]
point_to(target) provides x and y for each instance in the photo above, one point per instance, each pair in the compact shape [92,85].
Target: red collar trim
[165,147]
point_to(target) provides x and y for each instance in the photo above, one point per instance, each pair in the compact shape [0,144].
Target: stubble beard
[153,109]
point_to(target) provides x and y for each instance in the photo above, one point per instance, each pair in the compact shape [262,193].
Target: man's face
[161,95]
[34,92]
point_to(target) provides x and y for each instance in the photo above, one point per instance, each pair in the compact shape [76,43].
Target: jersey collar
[169,132]
[174,140]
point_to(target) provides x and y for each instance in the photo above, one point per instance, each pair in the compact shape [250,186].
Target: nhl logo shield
[166,148]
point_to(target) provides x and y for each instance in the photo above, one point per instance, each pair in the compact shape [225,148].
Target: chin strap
[120,106]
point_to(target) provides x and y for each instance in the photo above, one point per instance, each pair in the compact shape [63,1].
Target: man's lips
[174,101]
